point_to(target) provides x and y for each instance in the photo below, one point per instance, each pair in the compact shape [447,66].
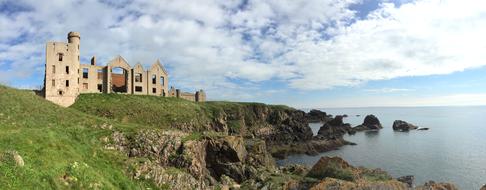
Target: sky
[302,53]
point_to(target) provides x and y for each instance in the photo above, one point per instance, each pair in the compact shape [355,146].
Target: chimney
[93,60]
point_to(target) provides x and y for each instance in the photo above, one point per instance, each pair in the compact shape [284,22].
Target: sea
[452,150]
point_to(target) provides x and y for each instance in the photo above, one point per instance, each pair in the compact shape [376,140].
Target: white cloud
[309,44]
[389,90]
[421,38]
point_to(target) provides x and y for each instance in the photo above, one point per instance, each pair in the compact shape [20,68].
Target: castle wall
[119,62]
[92,81]
[139,80]
[157,80]
[187,96]
[65,78]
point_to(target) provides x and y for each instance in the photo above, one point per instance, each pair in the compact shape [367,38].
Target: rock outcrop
[484,187]
[399,125]
[203,160]
[284,130]
[329,137]
[370,122]
[13,157]
[407,179]
[335,173]
[317,116]
[336,184]
[284,126]
[431,185]
[272,124]
[334,129]
[331,167]
[311,147]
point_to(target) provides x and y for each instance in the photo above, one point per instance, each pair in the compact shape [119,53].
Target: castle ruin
[65,78]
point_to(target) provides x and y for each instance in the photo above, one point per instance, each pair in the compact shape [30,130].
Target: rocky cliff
[190,161]
[215,145]
[285,130]
[317,116]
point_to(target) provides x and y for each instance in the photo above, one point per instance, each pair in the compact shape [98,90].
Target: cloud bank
[231,47]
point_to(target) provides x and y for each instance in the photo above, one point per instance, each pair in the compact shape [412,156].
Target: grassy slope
[163,112]
[148,110]
[60,147]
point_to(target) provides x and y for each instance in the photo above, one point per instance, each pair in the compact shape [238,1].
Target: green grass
[60,147]
[167,112]
[194,136]
[147,110]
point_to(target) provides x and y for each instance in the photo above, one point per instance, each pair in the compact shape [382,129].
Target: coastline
[210,145]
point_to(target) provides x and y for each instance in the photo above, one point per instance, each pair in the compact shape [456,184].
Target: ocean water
[453,150]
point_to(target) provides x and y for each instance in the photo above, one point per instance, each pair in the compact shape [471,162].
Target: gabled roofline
[157,63]
[121,59]
[138,65]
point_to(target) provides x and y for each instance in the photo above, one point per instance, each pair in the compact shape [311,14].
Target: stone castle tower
[62,65]
[66,78]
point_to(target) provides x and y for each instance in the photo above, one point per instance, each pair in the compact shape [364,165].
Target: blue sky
[303,53]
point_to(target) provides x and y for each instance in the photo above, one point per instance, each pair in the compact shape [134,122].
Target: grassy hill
[44,146]
[152,111]
[60,147]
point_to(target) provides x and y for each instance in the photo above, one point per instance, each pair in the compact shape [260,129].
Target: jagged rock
[370,122]
[226,156]
[291,185]
[431,185]
[483,188]
[192,155]
[329,167]
[13,156]
[316,116]
[336,121]
[206,159]
[334,129]
[258,155]
[336,184]
[312,147]
[335,173]
[227,181]
[334,132]
[295,169]
[175,178]
[407,179]
[287,126]
[399,125]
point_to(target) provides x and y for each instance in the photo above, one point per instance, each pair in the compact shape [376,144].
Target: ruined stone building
[65,77]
